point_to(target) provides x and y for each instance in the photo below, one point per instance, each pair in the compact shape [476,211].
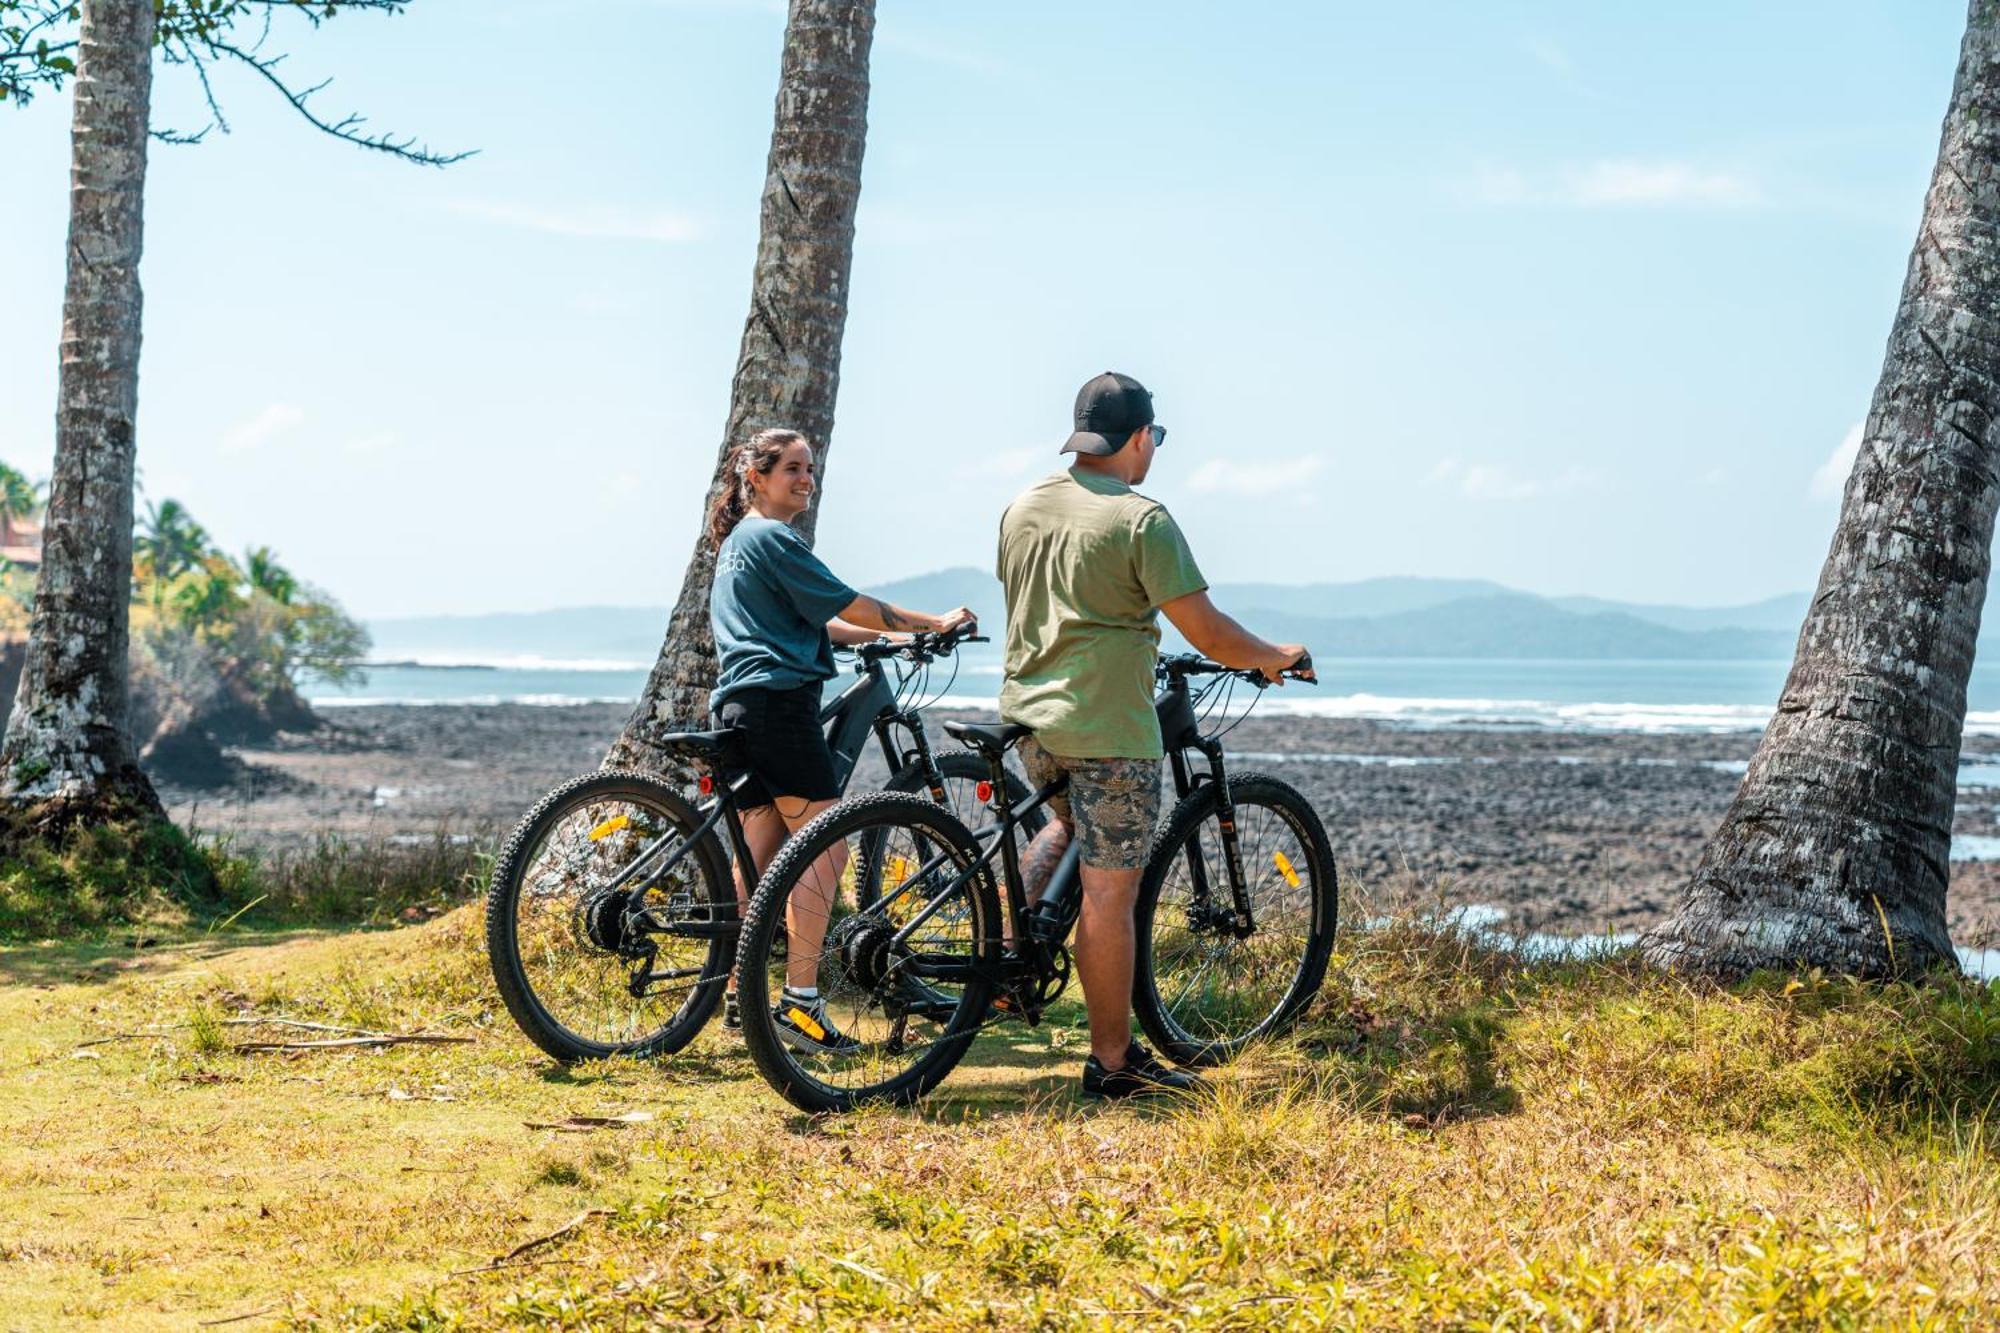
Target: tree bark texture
[1836,850]
[788,371]
[66,756]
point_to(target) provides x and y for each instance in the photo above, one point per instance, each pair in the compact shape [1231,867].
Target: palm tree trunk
[1836,851]
[788,371]
[66,757]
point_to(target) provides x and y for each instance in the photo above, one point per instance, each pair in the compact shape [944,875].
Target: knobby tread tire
[502,900]
[1191,812]
[766,918]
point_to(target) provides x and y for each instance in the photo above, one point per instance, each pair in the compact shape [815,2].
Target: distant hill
[1390,617]
[1369,597]
[1516,625]
[1785,613]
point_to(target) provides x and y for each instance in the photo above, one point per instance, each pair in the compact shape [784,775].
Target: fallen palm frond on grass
[1458,1136]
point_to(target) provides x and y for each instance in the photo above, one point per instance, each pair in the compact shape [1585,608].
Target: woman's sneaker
[732,1015]
[804,1026]
[1142,1075]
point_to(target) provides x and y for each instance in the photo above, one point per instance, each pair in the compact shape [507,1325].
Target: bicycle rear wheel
[564,945]
[962,771]
[907,978]
[1202,992]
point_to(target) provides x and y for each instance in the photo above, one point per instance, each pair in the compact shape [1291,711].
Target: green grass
[151,876]
[1456,1138]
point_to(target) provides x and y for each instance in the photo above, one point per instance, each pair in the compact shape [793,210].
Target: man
[1088,563]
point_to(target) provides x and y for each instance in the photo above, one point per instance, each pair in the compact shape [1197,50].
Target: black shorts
[784,748]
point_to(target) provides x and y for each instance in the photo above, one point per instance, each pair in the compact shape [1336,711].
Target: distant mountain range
[1391,617]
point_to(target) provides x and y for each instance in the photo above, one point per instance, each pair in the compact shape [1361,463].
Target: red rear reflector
[985,790]
[706,784]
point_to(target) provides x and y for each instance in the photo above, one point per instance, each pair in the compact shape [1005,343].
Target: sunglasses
[1159,435]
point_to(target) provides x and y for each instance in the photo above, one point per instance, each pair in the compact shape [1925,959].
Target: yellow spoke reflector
[807,1023]
[898,871]
[609,827]
[1284,864]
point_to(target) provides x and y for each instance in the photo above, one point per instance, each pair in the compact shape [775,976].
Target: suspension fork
[1241,917]
[920,750]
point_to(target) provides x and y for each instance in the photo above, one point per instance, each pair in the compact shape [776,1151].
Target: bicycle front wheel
[903,982]
[584,974]
[1202,990]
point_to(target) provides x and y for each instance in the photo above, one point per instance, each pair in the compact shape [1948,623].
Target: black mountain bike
[611,921]
[1235,914]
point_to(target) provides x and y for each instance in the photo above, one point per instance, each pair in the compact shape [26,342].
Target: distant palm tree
[19,499]
[66,756]
[269,577]
[1836,850]
[170,542]
[788,370]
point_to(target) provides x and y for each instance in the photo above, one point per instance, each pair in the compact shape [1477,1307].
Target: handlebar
[1180,666]
[923,646]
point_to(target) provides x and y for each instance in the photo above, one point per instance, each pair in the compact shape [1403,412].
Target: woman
[777,611]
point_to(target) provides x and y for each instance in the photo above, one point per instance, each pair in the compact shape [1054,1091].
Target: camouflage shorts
[1111,804]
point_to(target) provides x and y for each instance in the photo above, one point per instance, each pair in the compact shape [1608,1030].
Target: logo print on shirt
[731,562]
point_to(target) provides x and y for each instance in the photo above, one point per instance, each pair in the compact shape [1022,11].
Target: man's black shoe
[1142,1075]
[732,1013]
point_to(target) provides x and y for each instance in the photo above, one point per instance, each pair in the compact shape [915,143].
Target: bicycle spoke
[1214,987]
[875,1022]
[583,980]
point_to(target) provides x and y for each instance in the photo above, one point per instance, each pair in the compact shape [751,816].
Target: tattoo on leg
[1038,862]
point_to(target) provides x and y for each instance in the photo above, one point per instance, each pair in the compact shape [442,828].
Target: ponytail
[760,453]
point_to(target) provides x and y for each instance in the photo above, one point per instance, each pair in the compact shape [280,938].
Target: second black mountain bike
[1235,919]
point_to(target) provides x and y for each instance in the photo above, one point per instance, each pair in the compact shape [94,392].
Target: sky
[1583,297]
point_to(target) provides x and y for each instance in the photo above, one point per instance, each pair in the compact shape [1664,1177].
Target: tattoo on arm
[892,619]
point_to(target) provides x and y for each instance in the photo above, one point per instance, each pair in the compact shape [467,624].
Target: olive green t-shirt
[1086,562]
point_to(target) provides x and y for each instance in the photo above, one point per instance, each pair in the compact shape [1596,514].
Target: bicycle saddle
[988,740]
[710,747]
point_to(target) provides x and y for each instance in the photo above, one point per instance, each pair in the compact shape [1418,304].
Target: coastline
[1575,832]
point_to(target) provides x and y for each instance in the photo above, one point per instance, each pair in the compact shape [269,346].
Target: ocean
[1461,693]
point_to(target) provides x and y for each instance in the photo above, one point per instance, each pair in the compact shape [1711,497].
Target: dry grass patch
[1457,1138]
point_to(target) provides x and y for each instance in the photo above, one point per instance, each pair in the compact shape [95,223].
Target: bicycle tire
[1213,1038]
[704,873]
[959,767]
[858,818]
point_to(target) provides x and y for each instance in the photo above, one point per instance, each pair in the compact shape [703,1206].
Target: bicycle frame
[868,706]
[1047,921]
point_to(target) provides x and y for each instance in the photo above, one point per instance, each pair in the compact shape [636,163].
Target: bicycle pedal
[1007,1005]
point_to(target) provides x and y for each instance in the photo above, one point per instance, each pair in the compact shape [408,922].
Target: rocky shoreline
[1573,832]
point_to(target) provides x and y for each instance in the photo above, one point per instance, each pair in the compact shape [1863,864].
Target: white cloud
[1614,183]
[261,429]
[1830,479]
[1487,481]
[591,223]
[1254,480]
[1653,184]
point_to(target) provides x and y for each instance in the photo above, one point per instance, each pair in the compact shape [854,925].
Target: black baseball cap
[1108,409]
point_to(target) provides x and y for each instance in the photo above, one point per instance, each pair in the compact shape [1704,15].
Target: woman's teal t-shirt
[768,608]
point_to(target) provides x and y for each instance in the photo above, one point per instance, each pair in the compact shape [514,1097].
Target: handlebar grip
[1302,669]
